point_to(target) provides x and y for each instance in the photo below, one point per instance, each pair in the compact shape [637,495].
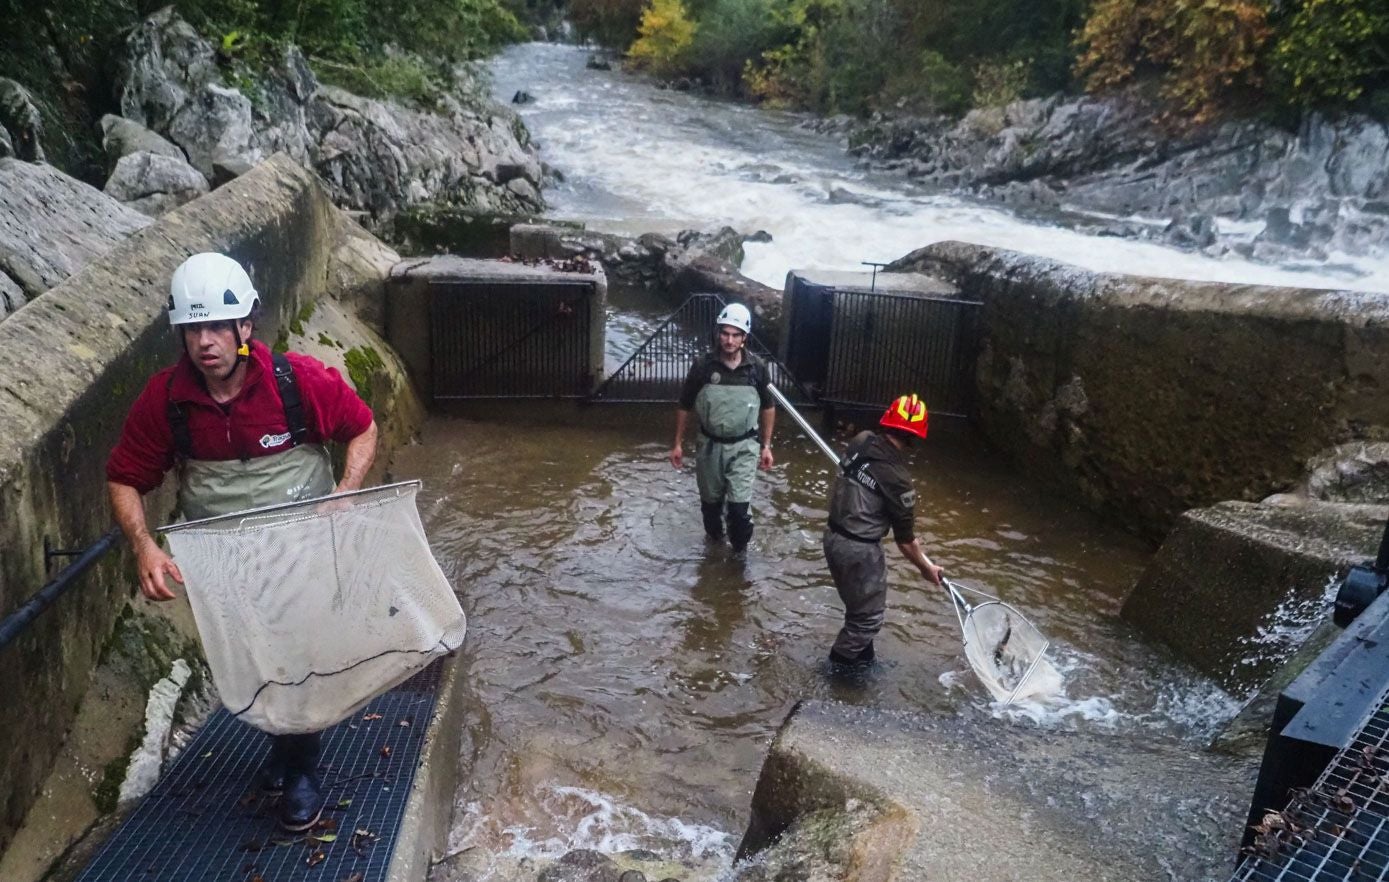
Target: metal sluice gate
[654,373]
[518,340]
[841,345]
[857,348]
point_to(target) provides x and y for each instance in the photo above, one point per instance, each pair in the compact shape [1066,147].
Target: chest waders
[726,458]
[208,488]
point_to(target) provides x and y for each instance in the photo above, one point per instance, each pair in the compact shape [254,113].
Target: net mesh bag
[1008,653]
[309,611]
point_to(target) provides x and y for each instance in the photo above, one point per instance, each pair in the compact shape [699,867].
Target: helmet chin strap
[243,350]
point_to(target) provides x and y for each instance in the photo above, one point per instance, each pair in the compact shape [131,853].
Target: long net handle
[805,426]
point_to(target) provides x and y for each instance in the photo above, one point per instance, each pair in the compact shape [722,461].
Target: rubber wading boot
[302,800]
[713,519]
[739,525]
[863,659]
[271,777]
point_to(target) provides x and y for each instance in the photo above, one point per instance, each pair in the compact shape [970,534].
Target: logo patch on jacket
[715,378]
[269,441]
[909,499]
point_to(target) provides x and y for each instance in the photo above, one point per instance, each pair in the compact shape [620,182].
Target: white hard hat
[210,287]
[736,315]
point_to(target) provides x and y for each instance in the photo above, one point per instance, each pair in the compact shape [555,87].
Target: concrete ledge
[1236,588]
[1145,397]
[971,797]
[424,829]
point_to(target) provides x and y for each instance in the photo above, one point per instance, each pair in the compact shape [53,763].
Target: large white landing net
[1008,654]
[310,610]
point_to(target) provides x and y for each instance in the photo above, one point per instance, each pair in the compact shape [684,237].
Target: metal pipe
[805,426]
[16,622]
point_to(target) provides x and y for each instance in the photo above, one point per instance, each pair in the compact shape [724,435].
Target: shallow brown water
[627,678]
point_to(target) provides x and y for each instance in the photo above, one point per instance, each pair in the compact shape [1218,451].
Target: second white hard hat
[736,315]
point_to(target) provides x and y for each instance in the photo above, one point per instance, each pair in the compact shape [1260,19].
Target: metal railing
[14,624]
[655,372]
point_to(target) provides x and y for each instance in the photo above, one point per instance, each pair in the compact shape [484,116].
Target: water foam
[640,159]
[578,817]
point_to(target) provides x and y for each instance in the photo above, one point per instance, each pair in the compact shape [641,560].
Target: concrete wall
[1146,397]
[75,358]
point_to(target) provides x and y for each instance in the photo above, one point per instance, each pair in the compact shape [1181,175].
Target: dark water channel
[626,679]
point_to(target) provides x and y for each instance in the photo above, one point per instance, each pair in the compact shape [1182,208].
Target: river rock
[377,157]
[11,296]
[121,137]
[153,183]
[51,225]
[1106,154]
[21,121]
[581,865]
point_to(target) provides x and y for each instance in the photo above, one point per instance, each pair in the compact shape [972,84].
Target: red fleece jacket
[251,424]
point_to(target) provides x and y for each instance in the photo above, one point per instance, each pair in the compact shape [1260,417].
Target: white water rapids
[637,158]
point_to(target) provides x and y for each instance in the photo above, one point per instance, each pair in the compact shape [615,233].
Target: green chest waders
[726,456]
[208,488]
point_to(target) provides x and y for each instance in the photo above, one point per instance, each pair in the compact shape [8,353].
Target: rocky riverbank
[187,124]
[1245,187]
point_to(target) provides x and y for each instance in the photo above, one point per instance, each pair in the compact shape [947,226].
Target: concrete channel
[1086,382]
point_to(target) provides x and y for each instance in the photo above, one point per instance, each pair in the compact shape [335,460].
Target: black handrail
[15,623]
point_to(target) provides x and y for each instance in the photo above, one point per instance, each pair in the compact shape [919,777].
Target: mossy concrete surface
[968,796]
[75,358]
[1145,397]
[93,759]
[1237,587]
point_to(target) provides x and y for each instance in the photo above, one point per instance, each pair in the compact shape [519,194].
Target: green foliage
[663,37]
[730,32]
[997,83]
[611,23]
[1329,52]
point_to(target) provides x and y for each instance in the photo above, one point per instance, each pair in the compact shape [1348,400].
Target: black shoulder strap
[178,424]
[289,397]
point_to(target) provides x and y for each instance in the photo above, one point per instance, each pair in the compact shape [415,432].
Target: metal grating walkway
[1338,828]
[205,821]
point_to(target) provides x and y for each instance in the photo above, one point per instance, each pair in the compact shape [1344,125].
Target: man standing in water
[245,428]
[727,391]
[872,494]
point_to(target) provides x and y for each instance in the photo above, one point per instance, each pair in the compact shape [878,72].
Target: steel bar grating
[205,821]
[655,373]
[1336,829]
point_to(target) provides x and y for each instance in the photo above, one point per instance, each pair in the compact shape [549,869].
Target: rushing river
[625,678]
[637,158]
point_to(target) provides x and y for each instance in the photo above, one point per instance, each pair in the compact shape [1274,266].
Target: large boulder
[20,122]
[153,183]
[1106,154]
[52,225]
[121,137]
[377,157]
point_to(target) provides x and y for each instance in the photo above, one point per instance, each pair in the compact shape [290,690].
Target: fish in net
[1006,651]
[307,611]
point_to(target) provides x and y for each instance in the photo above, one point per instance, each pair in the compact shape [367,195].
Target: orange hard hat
[907,413]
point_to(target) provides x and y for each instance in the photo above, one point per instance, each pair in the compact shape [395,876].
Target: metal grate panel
[1338,828]
[882,345]
[204,820]
[656,371]
[508,340]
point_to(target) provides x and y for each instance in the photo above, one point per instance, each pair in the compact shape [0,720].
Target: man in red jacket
[244,428]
